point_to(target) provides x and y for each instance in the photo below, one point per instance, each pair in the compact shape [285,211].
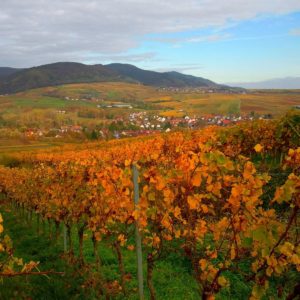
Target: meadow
[262,102]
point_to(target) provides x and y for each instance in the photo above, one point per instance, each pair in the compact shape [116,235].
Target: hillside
[152,78]
[5,71]
[56,74]
[69,72]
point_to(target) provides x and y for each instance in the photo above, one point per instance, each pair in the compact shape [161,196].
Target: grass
[42,102]
[172,277]
[8,148]
[47,102]
[31,247]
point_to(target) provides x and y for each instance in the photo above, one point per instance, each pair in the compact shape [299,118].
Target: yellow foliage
[258,148]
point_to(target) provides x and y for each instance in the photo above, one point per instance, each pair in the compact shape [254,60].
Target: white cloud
[182,68]
[194,39]
[209,38]
[132,58]
[35,31]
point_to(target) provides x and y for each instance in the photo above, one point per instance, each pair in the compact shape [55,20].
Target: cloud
[226,37]
[182,68]
[208,38]
[34,32]
[295,31]
[193,39]
[129,58]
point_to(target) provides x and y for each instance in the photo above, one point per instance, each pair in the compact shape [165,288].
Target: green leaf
[247,242]
[259,234]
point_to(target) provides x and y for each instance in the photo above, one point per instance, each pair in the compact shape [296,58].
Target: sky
[222,40]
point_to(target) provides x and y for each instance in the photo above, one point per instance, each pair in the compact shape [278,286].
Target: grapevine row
[200,195]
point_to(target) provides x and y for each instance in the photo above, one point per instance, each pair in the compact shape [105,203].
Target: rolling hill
[55,74]
[5,71]
[13,80]
[160,79]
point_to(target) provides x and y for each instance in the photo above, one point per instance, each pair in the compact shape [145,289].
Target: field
[262,102]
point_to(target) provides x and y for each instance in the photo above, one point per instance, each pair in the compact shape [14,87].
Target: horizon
[224,41]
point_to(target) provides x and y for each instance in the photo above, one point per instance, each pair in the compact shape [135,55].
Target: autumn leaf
[156,241]
[232,252]
[258,148]
[177,212]
[269,271]
[287,249]
[193,202]
[122,239]
[196,180]
[204,208]
[222,281]
[127,162]
[203,264]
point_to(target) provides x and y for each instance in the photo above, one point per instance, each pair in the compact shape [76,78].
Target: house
[76,128]
[176,121]
[104,132]
[119,119]
[30,132]
[226,122]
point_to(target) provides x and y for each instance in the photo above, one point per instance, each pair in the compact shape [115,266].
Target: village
[139,124]
[203,90]
[156,123]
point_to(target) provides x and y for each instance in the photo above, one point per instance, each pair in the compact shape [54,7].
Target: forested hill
[16,80]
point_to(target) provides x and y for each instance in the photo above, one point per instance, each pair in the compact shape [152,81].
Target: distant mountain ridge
[153,78]
[55,74]
[277,83]
[6,71]
[17,80]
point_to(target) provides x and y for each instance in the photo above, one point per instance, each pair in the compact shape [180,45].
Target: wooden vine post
[65,237]
[138,240]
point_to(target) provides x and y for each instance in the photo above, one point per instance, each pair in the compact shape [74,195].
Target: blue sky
[261,48]
[223,40]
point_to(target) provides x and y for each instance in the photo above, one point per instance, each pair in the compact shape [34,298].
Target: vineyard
[224,200]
